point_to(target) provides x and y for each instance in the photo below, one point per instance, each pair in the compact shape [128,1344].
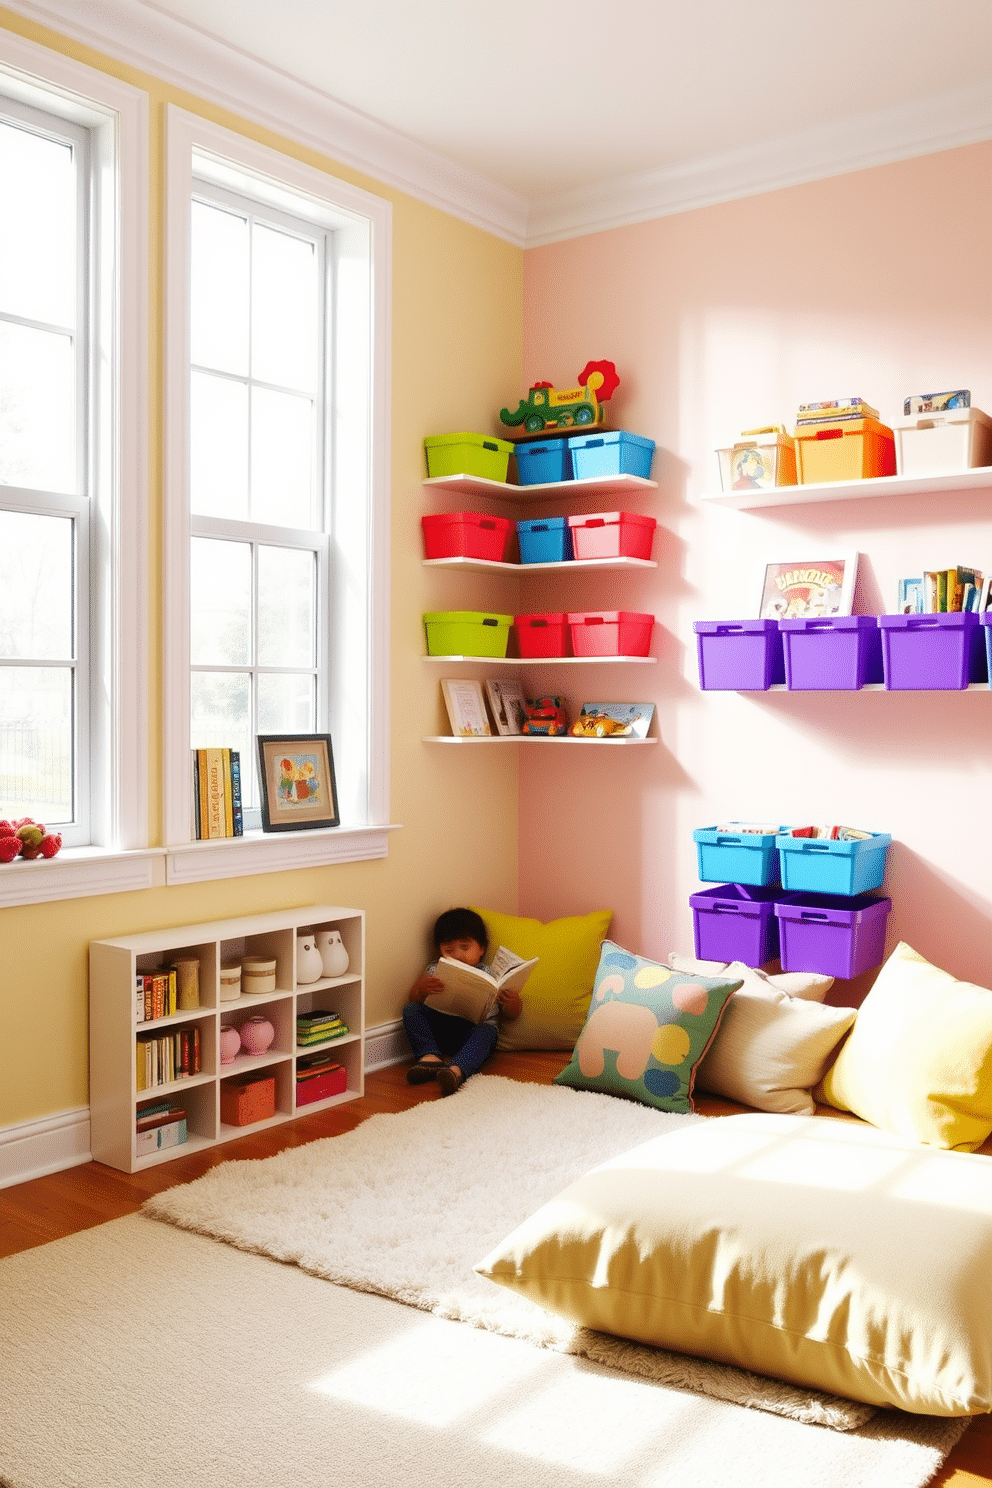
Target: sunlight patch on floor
[432,1375]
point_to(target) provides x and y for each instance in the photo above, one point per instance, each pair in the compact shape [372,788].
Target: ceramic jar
[257,1034]
[230,981]
[187,983]
[333,956]
[258,974]
[309,966]
[230,1044]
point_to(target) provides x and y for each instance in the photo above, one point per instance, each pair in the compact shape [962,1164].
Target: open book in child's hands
[469,992]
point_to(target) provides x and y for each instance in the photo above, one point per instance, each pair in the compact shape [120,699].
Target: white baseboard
[48,1145]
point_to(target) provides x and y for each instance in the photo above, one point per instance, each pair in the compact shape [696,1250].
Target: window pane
[220,710]
[37,412]
[218,455]
[286,705]
[220,603]
[284,307]
[36,743]
[36,587]
[219,304]
[37,227]
[281,459]
[286,607]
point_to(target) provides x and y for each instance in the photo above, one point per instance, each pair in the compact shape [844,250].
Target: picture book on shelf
[942,591]
[808,589]
[470,992]
[507,703]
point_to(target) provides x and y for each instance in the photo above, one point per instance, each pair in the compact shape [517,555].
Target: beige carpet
[137,1355]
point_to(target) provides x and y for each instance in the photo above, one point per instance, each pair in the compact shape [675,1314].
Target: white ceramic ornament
[309,963]
[333,956]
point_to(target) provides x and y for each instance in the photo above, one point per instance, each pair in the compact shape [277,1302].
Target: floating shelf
[979,479]
[538,739]
[477,485]
[490,565]
[517,661]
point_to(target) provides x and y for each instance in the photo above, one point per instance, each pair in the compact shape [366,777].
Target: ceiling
[590,113]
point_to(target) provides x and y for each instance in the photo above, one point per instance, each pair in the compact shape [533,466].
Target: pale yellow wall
[457,296]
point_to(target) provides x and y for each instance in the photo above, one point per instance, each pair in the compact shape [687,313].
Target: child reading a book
[449,1048]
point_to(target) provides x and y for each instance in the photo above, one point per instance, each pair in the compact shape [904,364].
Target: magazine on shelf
[470,992]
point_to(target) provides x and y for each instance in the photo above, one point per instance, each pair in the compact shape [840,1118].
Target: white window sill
[273,852]
[78,872]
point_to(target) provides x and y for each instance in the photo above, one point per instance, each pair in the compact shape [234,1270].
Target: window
[73,390]
[276,500]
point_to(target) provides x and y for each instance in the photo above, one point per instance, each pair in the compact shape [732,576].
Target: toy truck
[547,407]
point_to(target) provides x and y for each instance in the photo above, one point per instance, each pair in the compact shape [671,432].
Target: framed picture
[296,772]
[466,708]
[809,587]
[614,721]
[507,704]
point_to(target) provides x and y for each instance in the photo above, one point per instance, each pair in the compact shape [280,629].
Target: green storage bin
[466,633]
[468,454]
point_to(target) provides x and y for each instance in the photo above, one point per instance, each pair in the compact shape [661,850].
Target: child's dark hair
[460,924]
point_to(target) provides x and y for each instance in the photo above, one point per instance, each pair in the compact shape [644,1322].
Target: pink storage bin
[542,635]
[612,535]
[610,633]
[466,535]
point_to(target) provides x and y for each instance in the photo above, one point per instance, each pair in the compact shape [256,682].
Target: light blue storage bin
[736,857]
[610,452]
[816,866]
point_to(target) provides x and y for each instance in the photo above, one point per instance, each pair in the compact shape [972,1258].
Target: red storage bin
[467,535]
[610,633]
[320,1087]
[542,635]
[612,535]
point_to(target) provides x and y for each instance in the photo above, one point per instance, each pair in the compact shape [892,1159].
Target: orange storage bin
[844,450]
[243,1102]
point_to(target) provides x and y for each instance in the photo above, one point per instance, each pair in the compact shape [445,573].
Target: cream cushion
[824,1253]
[811,986]
[771,1048]
[919,1058]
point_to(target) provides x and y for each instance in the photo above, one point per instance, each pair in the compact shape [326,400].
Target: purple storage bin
[739,655]
[736,923]
[833,935]
[835,653]
[932,652]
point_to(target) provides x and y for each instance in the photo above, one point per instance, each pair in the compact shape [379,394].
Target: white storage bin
[936,443]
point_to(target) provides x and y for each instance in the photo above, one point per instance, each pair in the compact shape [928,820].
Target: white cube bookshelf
[114,966]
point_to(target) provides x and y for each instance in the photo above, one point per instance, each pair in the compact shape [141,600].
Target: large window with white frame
[277,482]
[73,205]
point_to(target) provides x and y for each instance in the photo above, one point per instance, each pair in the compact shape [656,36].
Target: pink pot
[257,1034]
[230,1044]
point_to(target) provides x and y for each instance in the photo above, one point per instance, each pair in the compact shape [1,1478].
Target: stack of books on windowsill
[217,809]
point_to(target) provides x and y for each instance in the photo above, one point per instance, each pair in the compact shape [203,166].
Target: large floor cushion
[818,1251]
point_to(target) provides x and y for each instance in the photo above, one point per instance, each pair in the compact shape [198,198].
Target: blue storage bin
[545,540]
[733,923]
[819,866]
[736,857]
[610,452]
[538,463]
[739,655]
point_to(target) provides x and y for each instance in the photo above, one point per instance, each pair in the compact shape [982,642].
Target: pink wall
[877,284]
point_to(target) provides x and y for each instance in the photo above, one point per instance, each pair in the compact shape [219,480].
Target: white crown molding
[941,122]
[178,54]
[175,53]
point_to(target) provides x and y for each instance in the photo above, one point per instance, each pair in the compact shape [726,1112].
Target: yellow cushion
[918,1061]
[556,996]
[825,1253]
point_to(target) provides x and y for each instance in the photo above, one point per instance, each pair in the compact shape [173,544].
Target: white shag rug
[405,1205]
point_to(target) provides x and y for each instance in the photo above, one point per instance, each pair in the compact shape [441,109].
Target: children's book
[469,992]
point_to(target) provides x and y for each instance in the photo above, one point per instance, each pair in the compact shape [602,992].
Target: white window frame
[196,149]
[116,116]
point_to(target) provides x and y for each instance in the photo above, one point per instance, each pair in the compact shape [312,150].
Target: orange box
[844,450]
[245,1101]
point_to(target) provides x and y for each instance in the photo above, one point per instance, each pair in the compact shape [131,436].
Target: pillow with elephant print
[647,1030]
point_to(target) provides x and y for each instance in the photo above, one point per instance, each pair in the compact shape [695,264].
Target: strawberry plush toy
[25,838]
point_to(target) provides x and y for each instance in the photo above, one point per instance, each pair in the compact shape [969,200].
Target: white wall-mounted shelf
[538,739]
[556,661]
[871,687]
[477,485]
[490,565]
[979,479]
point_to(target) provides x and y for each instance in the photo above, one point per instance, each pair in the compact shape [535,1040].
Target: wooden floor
[47,1208]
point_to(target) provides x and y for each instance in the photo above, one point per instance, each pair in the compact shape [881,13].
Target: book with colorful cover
[937,402]
[237,811]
